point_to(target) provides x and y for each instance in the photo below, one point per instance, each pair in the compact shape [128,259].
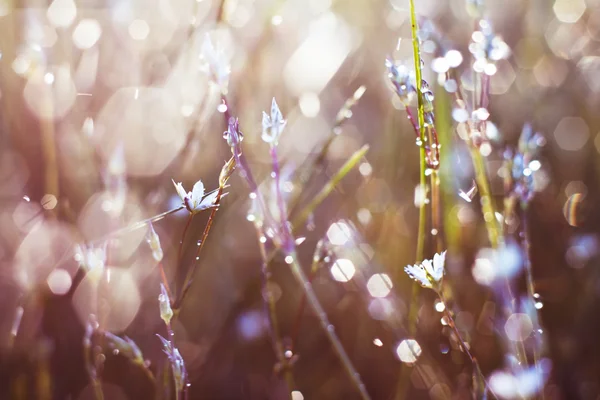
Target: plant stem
[422,165]
[187,282]
[487,204]
[180,250]
[434,180]
[48,138]
[313,301]
[329,186]
[313,271]
[272,313]
[402,387]
[531,290]
[135,226]
[463,344]
[280,203]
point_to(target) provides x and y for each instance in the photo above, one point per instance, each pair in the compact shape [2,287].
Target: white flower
[429,272]
[196,201]
[272,126]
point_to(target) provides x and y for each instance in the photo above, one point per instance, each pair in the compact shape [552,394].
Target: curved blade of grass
[329,186]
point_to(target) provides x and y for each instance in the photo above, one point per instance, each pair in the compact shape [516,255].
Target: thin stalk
[487,204]
[313,272]
[316,163]
[422,163]
[280,203]
[494,231]
[137,225]
[180,250]
[329,329]
[411,119]
[402,388]
[463,344]
[187,282]
[530,289]
[273,322]
[434,180]
[165,281]
[48,136]
[329,186]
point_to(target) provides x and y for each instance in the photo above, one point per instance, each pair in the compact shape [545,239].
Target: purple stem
[287,239]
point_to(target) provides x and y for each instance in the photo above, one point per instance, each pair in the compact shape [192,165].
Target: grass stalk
[270,306]
[487,202]
[328,328]
[329,186]
[187,282]
[182,239]
[463,344]
[402,387]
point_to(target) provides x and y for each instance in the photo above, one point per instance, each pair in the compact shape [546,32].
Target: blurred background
[104,102]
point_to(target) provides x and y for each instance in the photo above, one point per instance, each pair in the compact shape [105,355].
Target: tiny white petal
[208,201]
[197,193]
[276,115]
[438,266]
[180,190]
[417,273]
[428,266]
[266,124]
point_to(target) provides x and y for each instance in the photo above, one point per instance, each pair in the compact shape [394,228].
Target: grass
[280,216]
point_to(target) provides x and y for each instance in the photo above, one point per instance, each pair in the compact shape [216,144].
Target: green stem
[329,186]
[402,388]
[487,202]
